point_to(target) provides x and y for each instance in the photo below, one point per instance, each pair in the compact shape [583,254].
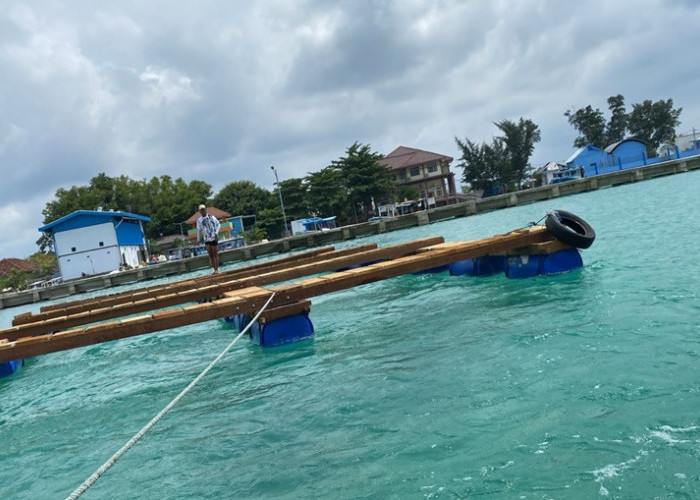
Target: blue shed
[627,153]
[591,158]
[89,242]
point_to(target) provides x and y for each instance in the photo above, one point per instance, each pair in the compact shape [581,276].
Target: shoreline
[344,233]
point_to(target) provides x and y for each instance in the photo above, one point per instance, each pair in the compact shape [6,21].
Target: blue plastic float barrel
[527,266]
[282,331]
[480,266]
[7,368]
[561,261]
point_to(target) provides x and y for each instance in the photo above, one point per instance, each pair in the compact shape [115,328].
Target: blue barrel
[527,266]
[7,368]
[479,266]
[523,266]
[282,331]
[561,261]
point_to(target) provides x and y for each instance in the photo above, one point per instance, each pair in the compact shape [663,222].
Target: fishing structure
[277,293]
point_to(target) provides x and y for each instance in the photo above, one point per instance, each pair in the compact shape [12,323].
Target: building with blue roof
[89,242]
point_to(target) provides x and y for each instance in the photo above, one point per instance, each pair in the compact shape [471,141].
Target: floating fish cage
[242,295]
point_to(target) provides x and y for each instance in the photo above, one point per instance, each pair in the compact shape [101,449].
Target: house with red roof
[7,265]
[428,172]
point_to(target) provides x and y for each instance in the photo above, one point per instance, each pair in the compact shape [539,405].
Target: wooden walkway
[245,290]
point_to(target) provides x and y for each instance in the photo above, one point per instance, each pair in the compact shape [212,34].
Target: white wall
[87,251]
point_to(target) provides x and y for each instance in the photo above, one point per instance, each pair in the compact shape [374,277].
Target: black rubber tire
[570,229]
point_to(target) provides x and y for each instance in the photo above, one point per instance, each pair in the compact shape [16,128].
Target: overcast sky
[221,90]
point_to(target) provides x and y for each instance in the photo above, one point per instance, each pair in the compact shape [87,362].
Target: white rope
[109,463]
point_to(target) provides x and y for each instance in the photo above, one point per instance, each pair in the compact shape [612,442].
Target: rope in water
[129,444]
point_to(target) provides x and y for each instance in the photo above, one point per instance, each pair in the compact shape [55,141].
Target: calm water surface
[582,385]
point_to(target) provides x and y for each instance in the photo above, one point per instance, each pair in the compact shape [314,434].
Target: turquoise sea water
[581,385]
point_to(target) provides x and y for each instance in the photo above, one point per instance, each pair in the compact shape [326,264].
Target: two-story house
[428,172]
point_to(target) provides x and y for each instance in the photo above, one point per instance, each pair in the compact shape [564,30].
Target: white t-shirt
[208,225]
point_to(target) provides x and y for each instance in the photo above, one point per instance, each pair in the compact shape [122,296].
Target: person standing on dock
[208,230]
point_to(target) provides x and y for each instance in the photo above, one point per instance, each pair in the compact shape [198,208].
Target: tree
[166,201]
[45,263]
[294,198]
[243,198]
[365,179]
[482,165]
[169,203]
[617,124]
[326,193]
[654,123]
[590,124]
[519,142]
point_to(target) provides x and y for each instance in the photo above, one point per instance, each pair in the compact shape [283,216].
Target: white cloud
[220,91]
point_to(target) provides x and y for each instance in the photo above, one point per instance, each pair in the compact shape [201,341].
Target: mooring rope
[109,463]
[530,224]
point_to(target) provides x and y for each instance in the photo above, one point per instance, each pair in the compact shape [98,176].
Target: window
[415,171]
[432,167]
[102,243]
[72,249]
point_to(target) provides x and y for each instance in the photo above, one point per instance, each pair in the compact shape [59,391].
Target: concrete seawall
[353,231]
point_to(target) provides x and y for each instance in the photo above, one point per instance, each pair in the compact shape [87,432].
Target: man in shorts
[208,230]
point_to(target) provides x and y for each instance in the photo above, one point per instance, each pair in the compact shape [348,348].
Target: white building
[89,242]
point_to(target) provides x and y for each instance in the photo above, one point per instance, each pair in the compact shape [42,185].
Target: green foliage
[45,263]
[243,198]
[590,124]
[179,243]
[408,193]
[482,164]
[519,142]
[269,221]
[254,234]
[166,201]
[617,125]
[15,279]
[294,197]
[364,179]
[654,123]
[505,161]
[326,193]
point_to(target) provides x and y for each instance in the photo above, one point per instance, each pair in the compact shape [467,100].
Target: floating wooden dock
[245,290]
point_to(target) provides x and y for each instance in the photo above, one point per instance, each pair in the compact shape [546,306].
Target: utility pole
[279,191]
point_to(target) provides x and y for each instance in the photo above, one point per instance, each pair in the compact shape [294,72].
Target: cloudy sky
[221,90]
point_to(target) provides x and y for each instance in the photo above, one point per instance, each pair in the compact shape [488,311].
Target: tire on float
[570,229]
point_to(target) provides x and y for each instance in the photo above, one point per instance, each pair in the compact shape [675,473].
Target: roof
[403,157]
[216,212]
[107,214]
[7,265]
[617,144]
[580,150]
[550,166]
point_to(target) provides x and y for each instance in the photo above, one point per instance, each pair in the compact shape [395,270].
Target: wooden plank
[42,344]
[423,261]
[135,295]
[271,314]
[251,299]
[543,248]
[47,322]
